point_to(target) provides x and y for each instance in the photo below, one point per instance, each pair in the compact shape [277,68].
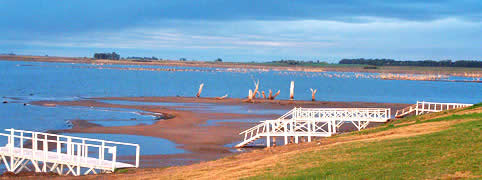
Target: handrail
[410,108]
[425,102]
[287,114]
[74,144]
[74,137]
[253,128]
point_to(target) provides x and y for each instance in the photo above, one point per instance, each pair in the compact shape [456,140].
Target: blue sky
[248,30]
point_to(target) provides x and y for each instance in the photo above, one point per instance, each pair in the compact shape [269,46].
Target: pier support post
[268,144]
[333,126]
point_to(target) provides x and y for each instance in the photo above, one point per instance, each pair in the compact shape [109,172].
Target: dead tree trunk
[292,90]
[222,97]
[250,95]
[256,88]
[313,92]
[264,95]
[200,90]
[276,94]
[271,97]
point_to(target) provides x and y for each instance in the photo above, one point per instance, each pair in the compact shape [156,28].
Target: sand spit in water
[185,127]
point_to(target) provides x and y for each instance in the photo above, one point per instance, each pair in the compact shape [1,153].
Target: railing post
[12,141]
[12,145]
[310,130]
[21,143]
[58,147]
[138,152]
[334,126]
[416,109]
[69,146]
[268,143]
[285,127]
[114,157]
[45,150]
[79,156]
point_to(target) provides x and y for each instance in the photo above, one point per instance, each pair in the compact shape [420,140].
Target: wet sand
[185,127]
[262,103]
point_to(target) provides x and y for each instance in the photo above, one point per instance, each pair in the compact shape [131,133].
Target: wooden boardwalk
[313,122]
[44,152]
[423,107]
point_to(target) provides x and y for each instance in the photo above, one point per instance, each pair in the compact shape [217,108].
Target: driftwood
[292,90]
[222,97]
[256,85]
[271,97]
[313,92]
[264,95]
[200,90]
[252,94]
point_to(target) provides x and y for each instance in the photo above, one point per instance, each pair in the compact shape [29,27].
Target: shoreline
[185,127]
[452,71]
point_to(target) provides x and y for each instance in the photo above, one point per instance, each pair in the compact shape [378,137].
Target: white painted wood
[76,156]
[313,122]
[423,107]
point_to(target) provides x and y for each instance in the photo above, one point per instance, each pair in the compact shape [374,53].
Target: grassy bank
[454,152]
[433,146]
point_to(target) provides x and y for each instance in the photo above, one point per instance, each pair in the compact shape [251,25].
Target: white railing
[346,114]
[321,122]
[405,111]
[254,132]
[46,147]
[427,107]
[288,114]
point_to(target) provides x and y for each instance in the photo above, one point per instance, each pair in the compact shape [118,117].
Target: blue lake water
[149,145]
[39,118]
[61,80]
[22,82]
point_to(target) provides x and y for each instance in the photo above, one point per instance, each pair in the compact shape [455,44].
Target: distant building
[112,56]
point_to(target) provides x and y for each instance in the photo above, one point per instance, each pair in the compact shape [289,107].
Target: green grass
[435,155]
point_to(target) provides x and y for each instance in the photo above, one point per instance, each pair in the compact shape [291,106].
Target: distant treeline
[297,62]
[112,56]
[391,62]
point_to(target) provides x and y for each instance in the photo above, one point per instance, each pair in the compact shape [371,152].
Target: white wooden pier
[313,122]
[423,107]
[44,152]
